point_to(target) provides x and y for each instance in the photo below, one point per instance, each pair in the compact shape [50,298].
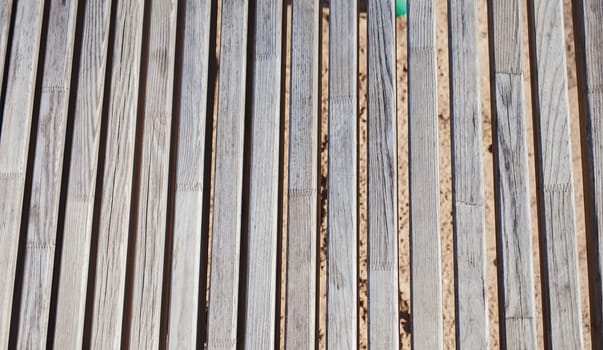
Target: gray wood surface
[114,220]
[151,217]
[562,313]
[264,176]
[514,236]
[47,170]
[187,239]
[468,178]
[302,210]
[383,327]
[228,178]
[14,145]
[6,9]
[424,184]
[588,26]
[342,237]
[73,278]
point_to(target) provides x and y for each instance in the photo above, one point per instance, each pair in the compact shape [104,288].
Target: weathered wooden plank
[73,278]
[14,145]
[514,240]
[424,185]
[302,211]
[588,26]
[151,224]
[6,9]
[187,240]
[562,312]
[342,238]
[47,170]
[468,178]
[264,176]
[228,178]
[382,248]
[114,220]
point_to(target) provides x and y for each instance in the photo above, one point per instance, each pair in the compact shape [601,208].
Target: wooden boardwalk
[160,183]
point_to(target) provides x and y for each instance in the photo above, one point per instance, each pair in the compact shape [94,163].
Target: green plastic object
[400,8]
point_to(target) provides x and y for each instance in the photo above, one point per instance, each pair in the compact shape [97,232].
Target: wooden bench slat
[468,178]
[342,238]
[188,242]
[263,213]
[151,224]
[562,312]
[588,26]
[14,144]
[302,211]
[383,331]
[6,10]
[116,191]
[514,236]
[228,178]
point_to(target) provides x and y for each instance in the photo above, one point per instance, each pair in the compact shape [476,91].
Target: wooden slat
[383,332]
[116,192]
[588,26]
[562,312]
[424,185]
[342,239]
[264,176]
[14,144]
[6,9]
[468,178]
[302,211]
[514,241]
[151,224]
[71,299]
[187,249]
[47,169]
[228,178]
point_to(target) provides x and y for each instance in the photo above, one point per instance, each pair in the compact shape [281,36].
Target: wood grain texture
[71,297]
[14,145]
[114,220]
[6,9]
[264,176]
[383,329]
[187,249]
[588,26]
[562,312]
[302,210]
[152,196]
[468,178]
[342,237]
[514,237]
[228,178]
[424,184]
[47,170]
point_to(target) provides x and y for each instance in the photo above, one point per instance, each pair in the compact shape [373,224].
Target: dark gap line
[6,68]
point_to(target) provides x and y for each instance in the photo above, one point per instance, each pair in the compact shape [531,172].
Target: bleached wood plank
[14,145]
[424,185]
[47,170]
[71,296]
[6,9]
[228,178]
[383,332]
[562,311]
[150,231]
[187,241]
[264,176]
[514,236]
[342,237]
[468,178]
[588,26]
[116,192]
[302,211]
